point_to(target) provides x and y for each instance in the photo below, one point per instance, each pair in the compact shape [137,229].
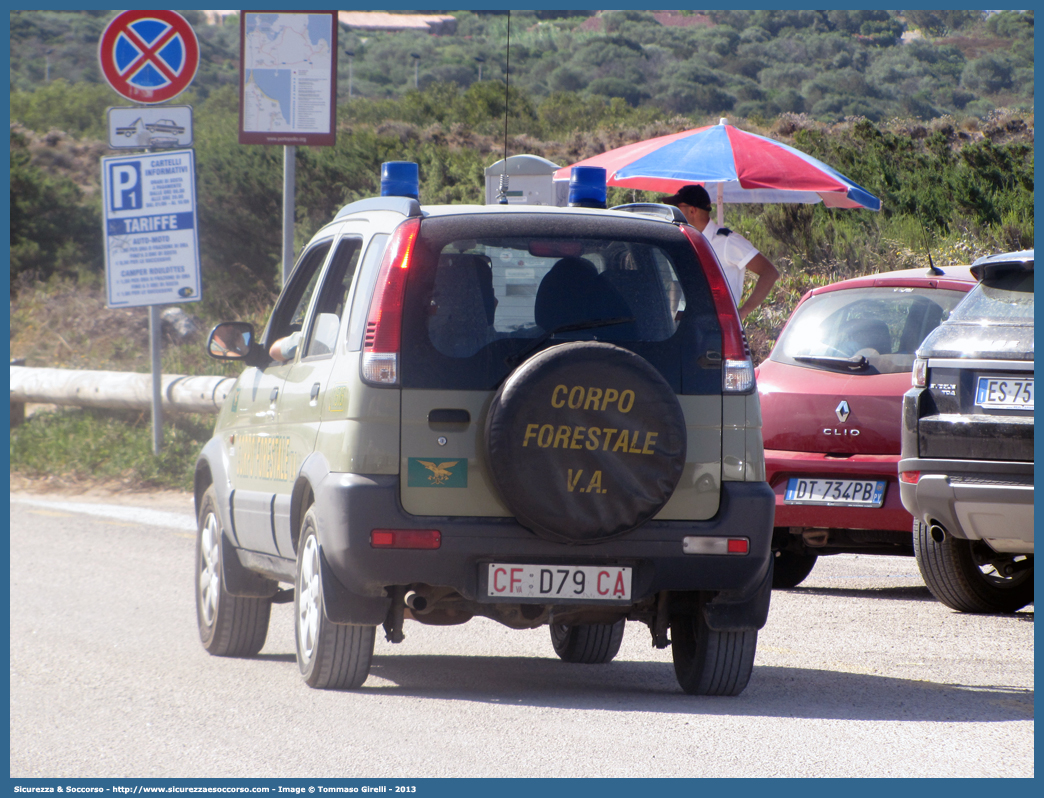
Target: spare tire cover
[585,441]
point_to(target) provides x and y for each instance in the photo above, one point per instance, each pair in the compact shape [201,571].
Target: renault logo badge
[842,411]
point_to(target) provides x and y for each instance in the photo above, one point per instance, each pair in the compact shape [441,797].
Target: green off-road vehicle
[543,416]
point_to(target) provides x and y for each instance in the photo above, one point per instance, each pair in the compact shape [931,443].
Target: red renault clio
[831,402]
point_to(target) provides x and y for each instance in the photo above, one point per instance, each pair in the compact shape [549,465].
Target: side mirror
[231,340]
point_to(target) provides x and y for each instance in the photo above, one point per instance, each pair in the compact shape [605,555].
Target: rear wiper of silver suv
[518,357]
[856,363]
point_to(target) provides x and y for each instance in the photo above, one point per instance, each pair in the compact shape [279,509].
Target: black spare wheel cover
[586,441]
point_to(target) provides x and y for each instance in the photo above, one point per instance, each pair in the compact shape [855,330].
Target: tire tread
[247,626]
[952,576]
[709,662]
[589,644]
[343,652]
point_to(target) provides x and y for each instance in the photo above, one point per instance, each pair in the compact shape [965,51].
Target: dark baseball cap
[696,196]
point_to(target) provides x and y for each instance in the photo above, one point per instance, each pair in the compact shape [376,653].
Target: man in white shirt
[735,253]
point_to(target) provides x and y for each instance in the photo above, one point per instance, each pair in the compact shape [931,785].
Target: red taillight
[384,322]
[732,340]
[738,368]
[919,375]
[909,477]
[405,538]
[698,544]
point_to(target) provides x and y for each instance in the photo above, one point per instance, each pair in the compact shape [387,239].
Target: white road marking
[137,515]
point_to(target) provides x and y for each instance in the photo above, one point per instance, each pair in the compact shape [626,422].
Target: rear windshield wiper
[855,363]
[518,357]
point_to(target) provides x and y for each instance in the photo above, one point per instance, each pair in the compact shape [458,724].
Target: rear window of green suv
[483,291]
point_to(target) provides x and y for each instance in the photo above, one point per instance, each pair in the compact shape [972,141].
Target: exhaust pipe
[416,602]
[937,531]
[816,538]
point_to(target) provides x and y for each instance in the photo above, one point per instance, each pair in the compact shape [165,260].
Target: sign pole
[288,92]
[289,182]
[156,361]
[155,329]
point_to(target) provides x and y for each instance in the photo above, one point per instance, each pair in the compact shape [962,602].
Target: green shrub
[53,231]
[90,445]
[78,109]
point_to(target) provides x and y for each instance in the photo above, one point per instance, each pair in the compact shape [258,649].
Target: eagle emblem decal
[440,472]
[422,473]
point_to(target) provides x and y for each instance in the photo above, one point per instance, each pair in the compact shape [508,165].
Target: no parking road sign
[149,56]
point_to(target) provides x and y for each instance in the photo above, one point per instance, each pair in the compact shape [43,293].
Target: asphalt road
[859,672]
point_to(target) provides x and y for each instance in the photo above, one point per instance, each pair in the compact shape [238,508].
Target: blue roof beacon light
[400,179]
[587,187]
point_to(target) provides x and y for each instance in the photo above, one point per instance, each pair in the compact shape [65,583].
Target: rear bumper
[350,506]
[974,499]
[781,465]
[973,435]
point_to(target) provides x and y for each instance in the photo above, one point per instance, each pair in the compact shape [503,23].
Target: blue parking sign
[124,186]
[150,227]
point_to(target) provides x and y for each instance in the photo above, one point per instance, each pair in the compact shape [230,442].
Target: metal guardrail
[114,389]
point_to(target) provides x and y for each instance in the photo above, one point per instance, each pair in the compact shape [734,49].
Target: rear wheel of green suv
[587,643]
[709,662]
[331,656]
[964,574]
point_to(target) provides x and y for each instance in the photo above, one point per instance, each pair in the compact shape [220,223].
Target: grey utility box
[529,182]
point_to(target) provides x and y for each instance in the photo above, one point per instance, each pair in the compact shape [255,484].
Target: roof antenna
[502,195]
[932,268]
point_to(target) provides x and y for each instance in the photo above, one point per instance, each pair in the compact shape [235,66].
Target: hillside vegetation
[955,169]
[750,64]
[969,183]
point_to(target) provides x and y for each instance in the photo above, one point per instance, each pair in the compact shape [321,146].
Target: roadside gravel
[170,501]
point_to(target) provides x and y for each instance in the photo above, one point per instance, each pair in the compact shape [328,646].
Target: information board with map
[288,77]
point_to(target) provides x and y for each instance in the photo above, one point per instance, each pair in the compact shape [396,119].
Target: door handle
[313,397]
[445,415]
[272,397]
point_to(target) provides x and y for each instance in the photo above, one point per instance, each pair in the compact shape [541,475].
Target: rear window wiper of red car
[856,363]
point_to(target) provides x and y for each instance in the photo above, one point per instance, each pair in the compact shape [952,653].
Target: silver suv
[542,416]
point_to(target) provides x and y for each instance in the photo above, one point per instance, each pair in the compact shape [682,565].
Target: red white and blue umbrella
[733,164]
